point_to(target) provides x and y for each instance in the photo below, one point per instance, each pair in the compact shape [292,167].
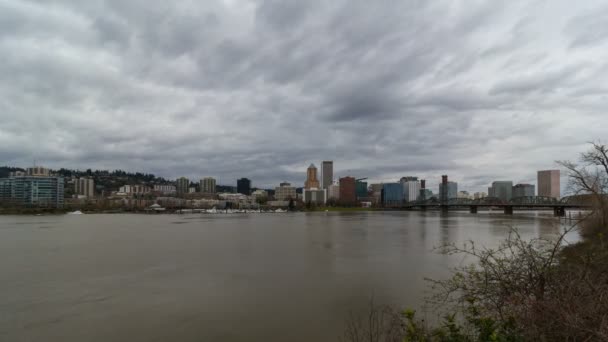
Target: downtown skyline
[262,89]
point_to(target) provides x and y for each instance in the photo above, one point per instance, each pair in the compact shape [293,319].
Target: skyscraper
[84,187]
[548,183]
[502,190]
[183,186]
[243,186]
[411,188]
[311,178]
[207,185]
[327,173]
[348,194]
[447,189]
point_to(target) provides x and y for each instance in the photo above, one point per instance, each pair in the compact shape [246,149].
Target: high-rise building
[523,190]
[447,189]
[207,185]
[361,189]
[502,190]
[327,173]
[348,193]
[84,187]
[333,192]
[183,186]
[243,186]
[285,192]
[392,194]
[549,183]
[314,196]
[33,191]
[411,188]
[311,178]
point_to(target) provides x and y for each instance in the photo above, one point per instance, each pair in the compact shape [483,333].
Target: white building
[464,195]
[411,189]
[285,192]
[259,194]
[333,191]
[134,189]
[165,189]
[84,187]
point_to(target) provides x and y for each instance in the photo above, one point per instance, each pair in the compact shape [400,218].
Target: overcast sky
[479,90]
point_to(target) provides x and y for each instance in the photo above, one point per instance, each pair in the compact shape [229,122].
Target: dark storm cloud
[229,88]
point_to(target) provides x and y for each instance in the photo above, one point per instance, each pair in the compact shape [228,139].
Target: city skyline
[500,90]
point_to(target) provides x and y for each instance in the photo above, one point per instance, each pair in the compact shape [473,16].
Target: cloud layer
[479,90]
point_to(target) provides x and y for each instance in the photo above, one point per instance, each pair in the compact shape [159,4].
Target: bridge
[530,202]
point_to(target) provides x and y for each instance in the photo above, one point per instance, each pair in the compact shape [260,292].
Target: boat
[77,212]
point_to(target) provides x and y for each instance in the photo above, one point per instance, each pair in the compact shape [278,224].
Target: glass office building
[32,191]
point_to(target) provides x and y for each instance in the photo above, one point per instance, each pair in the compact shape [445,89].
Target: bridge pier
[473,209]
[508,210]
[559,211]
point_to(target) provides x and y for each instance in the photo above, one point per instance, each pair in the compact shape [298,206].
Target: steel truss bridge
[531,202]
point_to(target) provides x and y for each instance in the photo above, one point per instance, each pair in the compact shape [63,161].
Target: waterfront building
[502,190]
[549,183]
[311,178]
[183,186]
[523,190]
[285,192]
[348,193]
[392,194]
[361,189]
[165,189]
[425,194]
[447,189]
[333,192]
[84,187]
[243,186]
[33,191]
[191,189]
[314,196]
[327,173]
[411,188]
[207,185]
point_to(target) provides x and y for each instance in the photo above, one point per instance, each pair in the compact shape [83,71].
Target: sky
[478,90]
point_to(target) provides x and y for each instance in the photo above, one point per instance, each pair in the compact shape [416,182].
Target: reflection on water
[224,277]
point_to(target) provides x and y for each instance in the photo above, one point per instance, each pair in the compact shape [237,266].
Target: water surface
[256,277]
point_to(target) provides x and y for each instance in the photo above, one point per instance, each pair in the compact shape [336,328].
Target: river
[242,277]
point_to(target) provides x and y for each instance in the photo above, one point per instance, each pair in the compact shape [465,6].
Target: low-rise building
[392,194]
[314,196]
[285,192]
[523,190]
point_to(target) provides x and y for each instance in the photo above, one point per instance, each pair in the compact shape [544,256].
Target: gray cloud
[232,88]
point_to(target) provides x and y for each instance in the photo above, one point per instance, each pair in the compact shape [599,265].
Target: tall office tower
[207,185]
[84,187]
[243,186]
[348,193]
[422,194]
[311,178]
[447,189]
[327,173]
[548,183]
[502,190]
[411,188]
[523,190]
[182,186]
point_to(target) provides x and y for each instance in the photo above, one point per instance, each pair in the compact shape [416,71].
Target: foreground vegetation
[538,290]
